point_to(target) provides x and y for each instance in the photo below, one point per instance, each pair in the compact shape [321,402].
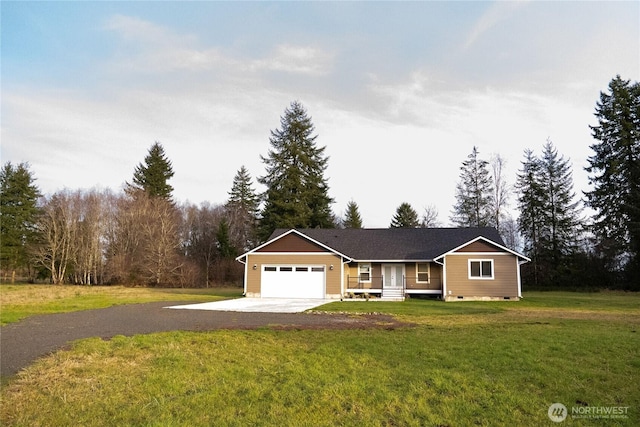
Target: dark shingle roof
[382,244]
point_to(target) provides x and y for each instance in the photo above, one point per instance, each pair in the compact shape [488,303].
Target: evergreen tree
[549,216]
[474,193]
[531,203]
[352,218]
[225,248]
[152,221]
[18,215]
[405,217]
[560,213]
[152,177]
[615,176]
[242,211]
[297,191]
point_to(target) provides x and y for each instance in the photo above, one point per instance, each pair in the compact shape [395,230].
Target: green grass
[612,302]
[461,364]
[20,301]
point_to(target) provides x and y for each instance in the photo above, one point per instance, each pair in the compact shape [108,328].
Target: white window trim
[492,277]
[362,265]
[428,272]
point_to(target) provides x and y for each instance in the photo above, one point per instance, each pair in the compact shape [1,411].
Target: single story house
[450,263]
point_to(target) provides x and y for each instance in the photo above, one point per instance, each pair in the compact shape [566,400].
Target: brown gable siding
[292,243]
[504,284]
[480,246]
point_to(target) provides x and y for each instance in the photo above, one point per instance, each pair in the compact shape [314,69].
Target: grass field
[20,301]
[466,363]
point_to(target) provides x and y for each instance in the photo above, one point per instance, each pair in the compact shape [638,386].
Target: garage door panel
[293,281]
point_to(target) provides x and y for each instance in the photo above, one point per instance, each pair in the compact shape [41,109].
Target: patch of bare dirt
[336,321]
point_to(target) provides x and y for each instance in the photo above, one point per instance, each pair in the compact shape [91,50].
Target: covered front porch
[393,281]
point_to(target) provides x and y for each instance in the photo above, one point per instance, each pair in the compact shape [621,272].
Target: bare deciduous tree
[201,225]
[144,242]
[501,192]
[161,240]
[430,217]
[57,227]
[88,261]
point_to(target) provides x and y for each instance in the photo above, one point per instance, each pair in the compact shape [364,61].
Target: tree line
[142,236]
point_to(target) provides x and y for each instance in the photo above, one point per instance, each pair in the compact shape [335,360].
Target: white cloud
[296,59]
[151,48]
[140,31]
[392,137]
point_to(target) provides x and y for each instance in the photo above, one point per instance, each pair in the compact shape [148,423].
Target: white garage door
[292,281]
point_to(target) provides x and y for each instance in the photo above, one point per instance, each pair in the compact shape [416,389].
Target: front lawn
[20,301]
[461,364]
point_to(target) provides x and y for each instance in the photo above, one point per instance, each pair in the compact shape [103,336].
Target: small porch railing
[376,284]
[355,283]
[432,283]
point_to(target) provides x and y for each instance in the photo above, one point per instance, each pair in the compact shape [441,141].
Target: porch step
[392,295]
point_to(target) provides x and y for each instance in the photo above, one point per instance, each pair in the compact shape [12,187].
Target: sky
[399,92]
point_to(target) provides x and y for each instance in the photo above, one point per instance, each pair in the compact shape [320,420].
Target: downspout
[519,263]
[244,284]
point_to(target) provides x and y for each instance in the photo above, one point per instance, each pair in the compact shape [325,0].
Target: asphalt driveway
[258,305]
[23,342]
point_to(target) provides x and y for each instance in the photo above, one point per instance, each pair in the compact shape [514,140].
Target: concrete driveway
[258,305]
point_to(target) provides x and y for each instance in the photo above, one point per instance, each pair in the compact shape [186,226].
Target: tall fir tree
[549,216]
[297,190]
[242,211]
[352,218]
[561,213]
[18,215]
[614,170]
[156,221]
[531,203]
[153,175]
[474,193]
[405,217]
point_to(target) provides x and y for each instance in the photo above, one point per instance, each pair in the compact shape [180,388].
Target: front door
[393,275]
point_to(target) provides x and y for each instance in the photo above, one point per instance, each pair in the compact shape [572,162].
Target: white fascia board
[491,242]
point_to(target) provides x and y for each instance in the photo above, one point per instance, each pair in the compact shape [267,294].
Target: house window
[480,269]
[364,272]
[422,272]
